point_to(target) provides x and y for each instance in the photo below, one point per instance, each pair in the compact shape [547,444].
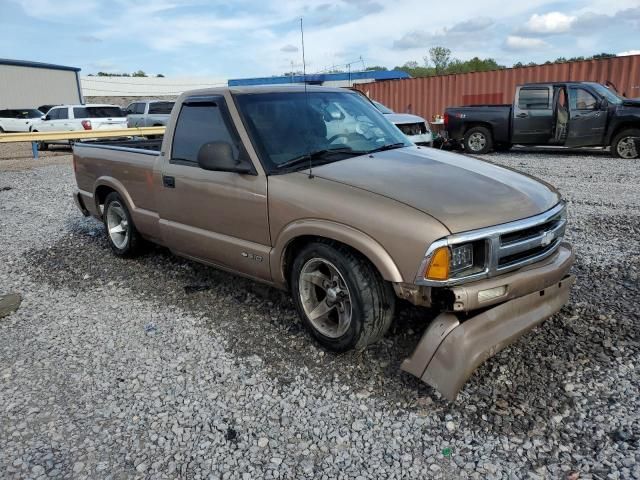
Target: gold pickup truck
[314,191]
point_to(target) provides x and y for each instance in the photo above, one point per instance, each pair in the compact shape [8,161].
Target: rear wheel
[124,239]
[624,144]
[340,296]
[478,140]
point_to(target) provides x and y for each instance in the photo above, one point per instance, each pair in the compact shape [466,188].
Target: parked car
[566,114]
[413,126]
[18,120]
[45,108]
[250,180]
[152,113]
[79,118]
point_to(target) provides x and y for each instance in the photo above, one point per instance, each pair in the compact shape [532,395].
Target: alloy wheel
[117,225]
[477,141]
[325,297]
[627,148]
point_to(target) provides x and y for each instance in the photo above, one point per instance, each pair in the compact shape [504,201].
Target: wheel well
[620,128]
[469,126]
[101,194]
[299,243]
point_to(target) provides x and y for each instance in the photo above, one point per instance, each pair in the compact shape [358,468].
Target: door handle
[169,182]
[522,115]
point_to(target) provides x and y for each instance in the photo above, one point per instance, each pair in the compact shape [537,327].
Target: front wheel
[340,296]
[478,140]
[124,239]
[624,144]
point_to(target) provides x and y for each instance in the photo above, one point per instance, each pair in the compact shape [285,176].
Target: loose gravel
[158,367]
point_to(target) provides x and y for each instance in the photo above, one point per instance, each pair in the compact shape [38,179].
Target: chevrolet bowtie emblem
[547,238]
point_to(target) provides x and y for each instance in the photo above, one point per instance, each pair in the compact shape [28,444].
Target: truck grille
[413,128]
[506,247]
[516,247]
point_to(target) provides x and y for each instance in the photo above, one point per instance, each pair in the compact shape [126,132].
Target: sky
[242,38]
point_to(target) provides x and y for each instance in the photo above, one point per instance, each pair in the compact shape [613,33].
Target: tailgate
[109,123]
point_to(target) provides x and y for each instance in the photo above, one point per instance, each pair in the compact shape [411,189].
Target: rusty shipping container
[429,96]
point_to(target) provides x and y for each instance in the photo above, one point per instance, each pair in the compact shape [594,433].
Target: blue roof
[24,63]
[373,75]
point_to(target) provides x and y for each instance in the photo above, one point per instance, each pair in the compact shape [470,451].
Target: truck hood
[461,192]
[402,118]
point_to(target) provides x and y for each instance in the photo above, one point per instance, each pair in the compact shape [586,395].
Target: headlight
[456,261]
[461,257]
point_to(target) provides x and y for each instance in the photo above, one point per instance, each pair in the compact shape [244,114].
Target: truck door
[218,217]
[587,120]
[532,122]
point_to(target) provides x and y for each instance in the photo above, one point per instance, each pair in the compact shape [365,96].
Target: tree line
[440,62]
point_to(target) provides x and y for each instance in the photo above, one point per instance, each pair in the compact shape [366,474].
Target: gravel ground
[159,367]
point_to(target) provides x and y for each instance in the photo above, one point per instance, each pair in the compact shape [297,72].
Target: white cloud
[289,48]
[629,52]
[460,33]
[549,23]
[516,42]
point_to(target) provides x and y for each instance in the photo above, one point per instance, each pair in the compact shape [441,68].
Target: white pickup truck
[150,113]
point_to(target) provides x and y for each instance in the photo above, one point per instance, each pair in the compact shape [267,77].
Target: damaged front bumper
[451,349]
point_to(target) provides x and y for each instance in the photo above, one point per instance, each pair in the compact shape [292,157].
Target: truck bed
[136,144]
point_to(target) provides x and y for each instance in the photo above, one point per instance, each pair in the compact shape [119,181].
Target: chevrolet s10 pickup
[316,192]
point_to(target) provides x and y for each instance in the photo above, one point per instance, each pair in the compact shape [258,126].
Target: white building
[94,86]
[31,84]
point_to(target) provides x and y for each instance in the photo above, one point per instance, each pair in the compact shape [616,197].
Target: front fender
[345,234]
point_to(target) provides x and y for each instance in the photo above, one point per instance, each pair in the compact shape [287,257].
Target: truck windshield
[610,95]
[288,125]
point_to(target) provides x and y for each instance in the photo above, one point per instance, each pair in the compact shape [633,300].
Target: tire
[1,130]
[623,145]
[126,242]
[355,317]
[502,147]
[478,140]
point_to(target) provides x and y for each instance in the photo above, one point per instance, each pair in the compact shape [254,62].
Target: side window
[129,109]
[53,114]
[580,99]
[139,108]
[63,113]
[533,98]
[200,123]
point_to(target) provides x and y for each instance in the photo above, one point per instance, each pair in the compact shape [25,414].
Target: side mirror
[218,156]
[604,103]
[44,117]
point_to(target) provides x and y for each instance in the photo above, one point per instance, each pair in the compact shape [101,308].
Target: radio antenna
[306,95]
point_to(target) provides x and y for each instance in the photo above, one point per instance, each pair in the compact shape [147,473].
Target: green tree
[139,73]
[440,57]
[377,68]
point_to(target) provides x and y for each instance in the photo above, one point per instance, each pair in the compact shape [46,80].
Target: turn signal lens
[438,268]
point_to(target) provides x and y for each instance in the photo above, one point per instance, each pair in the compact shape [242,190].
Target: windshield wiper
[390,146]
[317,155]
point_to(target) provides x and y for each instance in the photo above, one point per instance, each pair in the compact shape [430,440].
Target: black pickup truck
[565,114]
